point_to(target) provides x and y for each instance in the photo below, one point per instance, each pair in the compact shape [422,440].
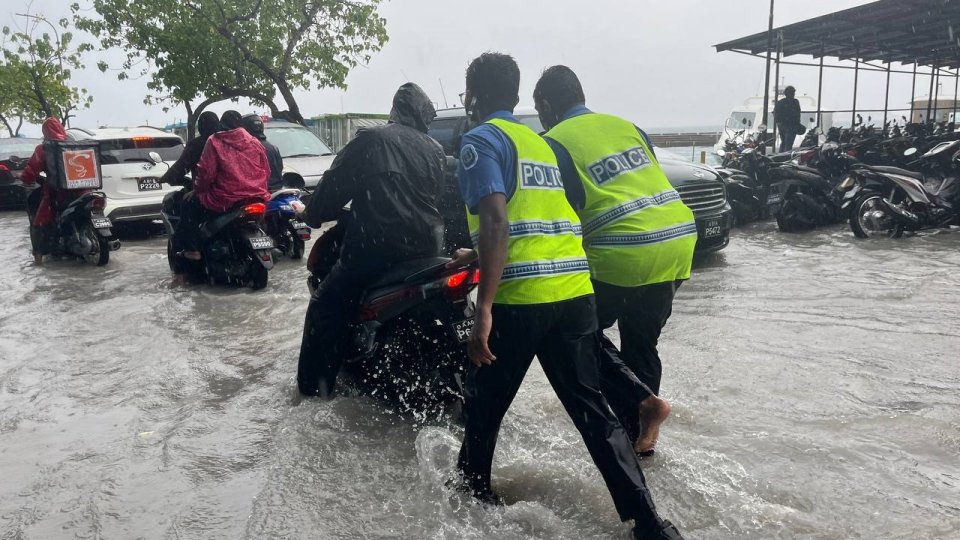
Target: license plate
[774,198]
[148,184]
[711,229]
[463,329]
[300,225]
[101,223]
[261,242]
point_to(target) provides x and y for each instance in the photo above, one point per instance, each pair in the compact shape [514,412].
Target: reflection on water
[814,381]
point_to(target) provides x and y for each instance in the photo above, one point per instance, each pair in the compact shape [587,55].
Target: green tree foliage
[228,49]
[35,71]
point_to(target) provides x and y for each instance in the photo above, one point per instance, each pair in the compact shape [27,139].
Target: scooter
[79,229]
[886,201]
[283,224]
[234,249]
[753,190]
[406,341]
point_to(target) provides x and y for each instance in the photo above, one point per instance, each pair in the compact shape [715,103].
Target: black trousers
[332,307]
[788,135]
[642,312]
[192,215]
[563,336]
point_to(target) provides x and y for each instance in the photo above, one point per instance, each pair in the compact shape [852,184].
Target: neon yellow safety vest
[545,258]
[637,231]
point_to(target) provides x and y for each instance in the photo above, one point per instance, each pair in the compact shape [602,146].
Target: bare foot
[653,411]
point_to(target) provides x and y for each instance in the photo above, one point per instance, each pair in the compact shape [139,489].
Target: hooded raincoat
[52,131]
[233,168]
[394,176]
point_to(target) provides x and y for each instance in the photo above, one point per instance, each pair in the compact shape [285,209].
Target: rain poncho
[233,168]
[394,176]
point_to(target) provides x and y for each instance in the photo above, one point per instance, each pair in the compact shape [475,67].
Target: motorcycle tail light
[255,209]
[4,168]
[305,235]
[98,203]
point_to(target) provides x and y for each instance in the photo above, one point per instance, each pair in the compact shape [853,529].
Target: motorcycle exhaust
[901,212]
[114,245]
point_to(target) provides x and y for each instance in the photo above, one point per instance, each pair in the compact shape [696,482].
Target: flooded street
[815,381]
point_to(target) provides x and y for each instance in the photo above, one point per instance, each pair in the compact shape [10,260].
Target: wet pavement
[814,379]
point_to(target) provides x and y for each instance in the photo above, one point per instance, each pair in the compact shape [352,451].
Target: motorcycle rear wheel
[258,276]
[100,251]
[867,203]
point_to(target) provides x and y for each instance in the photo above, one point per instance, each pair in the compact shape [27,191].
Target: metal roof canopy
[917,32]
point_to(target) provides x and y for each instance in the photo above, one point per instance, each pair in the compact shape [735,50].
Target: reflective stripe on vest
[545,258]
[638,231]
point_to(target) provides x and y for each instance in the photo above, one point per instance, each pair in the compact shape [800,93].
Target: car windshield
[133,149]
[296,141]
[18,147]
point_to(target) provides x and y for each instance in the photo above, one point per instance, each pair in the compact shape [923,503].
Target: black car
[14,155]
[699,186]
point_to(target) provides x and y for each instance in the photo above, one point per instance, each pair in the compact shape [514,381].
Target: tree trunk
[9,127]
[293,114]
[191,121]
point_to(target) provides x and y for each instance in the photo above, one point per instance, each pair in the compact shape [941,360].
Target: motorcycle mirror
[721,153]
[293,181]
[909,152]
[155,158]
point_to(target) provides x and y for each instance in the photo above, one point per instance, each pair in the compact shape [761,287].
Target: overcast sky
[651,62]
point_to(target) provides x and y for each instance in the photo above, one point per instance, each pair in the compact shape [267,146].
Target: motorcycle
[886,201]
[283,224]
[753,191]
[79,229]
[234,249]
[406,341]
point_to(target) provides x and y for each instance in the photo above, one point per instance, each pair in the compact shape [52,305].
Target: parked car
[130,178]
[14,155]
[700,187]
[304,154]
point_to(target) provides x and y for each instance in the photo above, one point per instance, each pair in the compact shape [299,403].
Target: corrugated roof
[925,32]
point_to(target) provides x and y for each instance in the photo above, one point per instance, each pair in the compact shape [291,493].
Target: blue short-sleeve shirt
[488,162]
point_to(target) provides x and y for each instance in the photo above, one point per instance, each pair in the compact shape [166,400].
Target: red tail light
[4,168]
[457,279]
[255,209]
[98,203]
[460,284]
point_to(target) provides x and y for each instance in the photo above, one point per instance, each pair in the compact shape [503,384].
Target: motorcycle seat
[401,271]
[284,193]
[894,170]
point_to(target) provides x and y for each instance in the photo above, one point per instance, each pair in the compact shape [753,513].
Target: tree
[229,49]
[35,73]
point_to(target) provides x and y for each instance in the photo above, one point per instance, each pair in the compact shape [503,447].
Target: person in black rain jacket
[393,177]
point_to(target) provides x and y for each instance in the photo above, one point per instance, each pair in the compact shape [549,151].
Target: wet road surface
[815,382]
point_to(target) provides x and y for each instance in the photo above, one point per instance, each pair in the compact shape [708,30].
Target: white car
[304,154]
[130,178]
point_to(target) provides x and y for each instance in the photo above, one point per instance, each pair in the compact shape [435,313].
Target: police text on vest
[540,176]
[610,167]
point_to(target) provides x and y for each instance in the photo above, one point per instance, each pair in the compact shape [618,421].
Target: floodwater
[814,379]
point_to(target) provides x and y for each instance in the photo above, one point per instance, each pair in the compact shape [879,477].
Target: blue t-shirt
[576,196]
[488,162]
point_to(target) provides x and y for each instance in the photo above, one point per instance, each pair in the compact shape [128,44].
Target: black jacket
[275,160]
[393,175]
[787,111]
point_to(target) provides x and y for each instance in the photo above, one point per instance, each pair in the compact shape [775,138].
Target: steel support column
[776,87]
[820,91]
[766,84]
[913,91]
[956,86]
[936,94]
[886,99]
[856,82]
[930,95]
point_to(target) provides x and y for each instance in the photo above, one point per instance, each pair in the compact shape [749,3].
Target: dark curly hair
[560,87]
[494,79]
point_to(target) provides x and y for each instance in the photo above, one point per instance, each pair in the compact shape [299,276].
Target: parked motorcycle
[406,341]
[234,249]
[751,189]
[886,201]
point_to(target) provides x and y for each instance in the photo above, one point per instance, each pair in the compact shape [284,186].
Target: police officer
[638,235]
[534,297]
